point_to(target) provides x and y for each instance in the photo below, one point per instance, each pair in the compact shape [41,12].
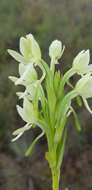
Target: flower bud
[56,50]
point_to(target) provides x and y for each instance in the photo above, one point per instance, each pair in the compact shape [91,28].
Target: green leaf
[60,130]
[61,150]
[77,122]
[51,96]
[45,66]
[30,149]
[65,79]
[64,104]
[57,81]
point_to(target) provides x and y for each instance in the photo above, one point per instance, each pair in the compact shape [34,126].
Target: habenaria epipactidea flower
[27,73]
[32,91]
[29,51]
[56,50]
[84,89]
[27,112]
[81,63]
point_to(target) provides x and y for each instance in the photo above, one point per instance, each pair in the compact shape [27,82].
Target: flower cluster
[45,102]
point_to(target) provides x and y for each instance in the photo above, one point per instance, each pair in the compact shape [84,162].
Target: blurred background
[70,22]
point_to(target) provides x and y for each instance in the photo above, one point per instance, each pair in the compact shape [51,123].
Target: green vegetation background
[68,21]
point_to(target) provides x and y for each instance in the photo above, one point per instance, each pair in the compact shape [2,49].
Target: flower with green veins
[47,104]
[29,51]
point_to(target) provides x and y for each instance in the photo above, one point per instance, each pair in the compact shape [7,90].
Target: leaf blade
[30,149]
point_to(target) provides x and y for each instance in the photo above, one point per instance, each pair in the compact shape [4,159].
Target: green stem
[52,66]
[55,180]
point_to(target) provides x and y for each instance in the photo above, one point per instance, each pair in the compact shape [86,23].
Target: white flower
[56,50]
[29,76]
[32,91]
[27,73]
[84,89]
[84,86]
[80,66]
[27,113]
[29,50]
[81,63]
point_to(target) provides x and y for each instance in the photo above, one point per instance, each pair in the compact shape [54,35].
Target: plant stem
[55,180]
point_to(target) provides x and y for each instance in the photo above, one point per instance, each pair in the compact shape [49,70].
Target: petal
[77,58]
[23,46]
[22,68]
[22,129]
[13,79]
[20,94]
[18,57]
[17,137]
[36,52]
[26,116]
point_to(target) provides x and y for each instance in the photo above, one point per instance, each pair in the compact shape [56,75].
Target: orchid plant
[46,104]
